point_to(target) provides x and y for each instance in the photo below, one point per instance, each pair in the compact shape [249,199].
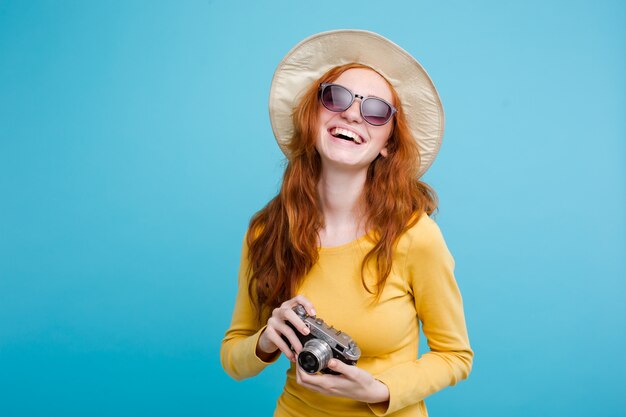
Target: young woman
[349,235]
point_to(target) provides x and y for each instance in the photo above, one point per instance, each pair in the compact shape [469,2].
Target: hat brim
[314,56]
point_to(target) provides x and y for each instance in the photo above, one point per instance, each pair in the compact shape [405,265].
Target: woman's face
[344,138]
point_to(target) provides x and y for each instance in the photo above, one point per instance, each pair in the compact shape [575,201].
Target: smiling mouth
[346,134]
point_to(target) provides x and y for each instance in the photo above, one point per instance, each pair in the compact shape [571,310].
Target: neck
[341,198]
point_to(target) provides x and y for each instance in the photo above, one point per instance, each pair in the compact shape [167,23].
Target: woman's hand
[354,383]
[270,340]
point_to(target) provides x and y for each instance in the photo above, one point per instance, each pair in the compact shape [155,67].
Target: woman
[349,235]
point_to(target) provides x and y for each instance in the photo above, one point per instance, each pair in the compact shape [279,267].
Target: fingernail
[313,313]
[332,362]
[305,330]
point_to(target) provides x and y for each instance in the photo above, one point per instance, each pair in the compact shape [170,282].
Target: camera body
[323,343]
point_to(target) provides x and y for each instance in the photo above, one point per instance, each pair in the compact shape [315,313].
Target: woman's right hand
[270,340]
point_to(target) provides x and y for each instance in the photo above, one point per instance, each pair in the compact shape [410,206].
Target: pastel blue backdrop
[135,145]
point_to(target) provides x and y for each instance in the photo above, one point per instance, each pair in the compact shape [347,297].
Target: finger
[324,384]
[281,328]
[349,371]
[302,380]
[274,337]
[306,303]
[306,379]
[286,313]
[297,322]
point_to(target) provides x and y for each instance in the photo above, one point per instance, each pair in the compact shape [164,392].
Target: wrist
[379,392]
[265,349]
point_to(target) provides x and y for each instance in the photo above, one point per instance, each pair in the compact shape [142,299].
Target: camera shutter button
[300,311]
[319,321]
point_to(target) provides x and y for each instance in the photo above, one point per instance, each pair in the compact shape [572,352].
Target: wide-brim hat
[315,55]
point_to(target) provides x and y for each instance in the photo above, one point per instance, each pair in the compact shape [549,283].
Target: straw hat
[317,54]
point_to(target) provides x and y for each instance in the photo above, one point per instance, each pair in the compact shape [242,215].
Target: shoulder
[423,243]
[423,233]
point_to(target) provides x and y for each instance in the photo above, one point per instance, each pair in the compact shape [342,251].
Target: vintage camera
[322,344]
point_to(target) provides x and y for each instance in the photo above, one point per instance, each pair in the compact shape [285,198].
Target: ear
[384,152]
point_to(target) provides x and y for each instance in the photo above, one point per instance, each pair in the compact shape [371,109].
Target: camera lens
[308,362]
[315,356]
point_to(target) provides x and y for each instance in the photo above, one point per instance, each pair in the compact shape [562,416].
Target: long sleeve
[439,307]
[421,288]
[238,352]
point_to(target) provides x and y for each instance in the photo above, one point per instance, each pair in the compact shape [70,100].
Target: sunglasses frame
[362,98]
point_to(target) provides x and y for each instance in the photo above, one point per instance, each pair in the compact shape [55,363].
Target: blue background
[135,145]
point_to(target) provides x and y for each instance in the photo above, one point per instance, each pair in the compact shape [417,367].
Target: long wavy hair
[283,237]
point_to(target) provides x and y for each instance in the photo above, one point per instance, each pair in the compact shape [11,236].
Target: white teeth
[336,131]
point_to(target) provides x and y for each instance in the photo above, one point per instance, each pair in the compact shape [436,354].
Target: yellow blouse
[420,289]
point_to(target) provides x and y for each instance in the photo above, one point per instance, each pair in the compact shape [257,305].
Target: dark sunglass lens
[336,98]
[376,111]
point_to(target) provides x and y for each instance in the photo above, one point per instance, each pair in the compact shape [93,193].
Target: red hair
[283,236]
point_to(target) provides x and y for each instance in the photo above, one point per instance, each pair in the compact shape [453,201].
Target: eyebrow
[371,95]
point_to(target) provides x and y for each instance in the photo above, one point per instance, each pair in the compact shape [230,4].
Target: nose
[353,113]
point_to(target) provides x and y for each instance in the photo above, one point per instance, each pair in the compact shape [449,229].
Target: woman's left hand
[354,383]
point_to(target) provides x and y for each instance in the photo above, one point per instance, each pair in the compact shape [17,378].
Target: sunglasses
[338,98]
